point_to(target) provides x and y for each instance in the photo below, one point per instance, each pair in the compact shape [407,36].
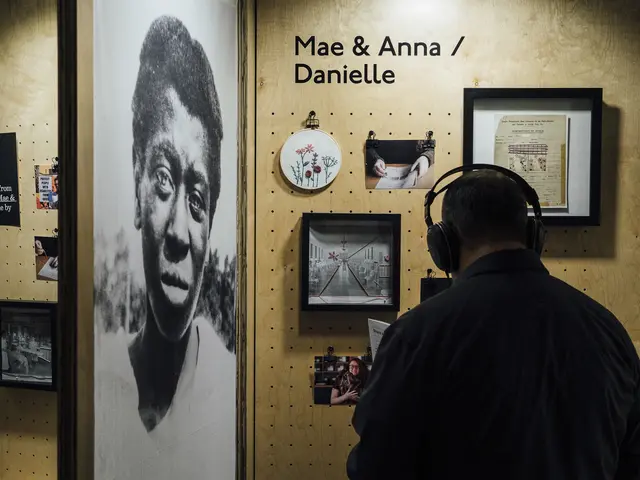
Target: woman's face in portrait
[172,212]
[354,368]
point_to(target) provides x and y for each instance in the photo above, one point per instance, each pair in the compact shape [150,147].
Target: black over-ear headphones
[443,242]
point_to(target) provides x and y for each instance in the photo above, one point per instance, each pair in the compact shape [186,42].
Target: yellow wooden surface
[84,397]
[28,106]
[551,43]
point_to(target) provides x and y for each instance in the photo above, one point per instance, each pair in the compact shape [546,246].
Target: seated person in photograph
[168,387]
[376,166]
[510,374]
[349,384]
[18,362]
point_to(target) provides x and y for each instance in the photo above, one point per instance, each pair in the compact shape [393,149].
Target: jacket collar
[505,261]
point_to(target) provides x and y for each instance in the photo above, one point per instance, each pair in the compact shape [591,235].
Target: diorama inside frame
[27,333]
[552,137]
[350,261]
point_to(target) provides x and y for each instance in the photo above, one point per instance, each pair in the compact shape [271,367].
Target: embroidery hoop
[310,159]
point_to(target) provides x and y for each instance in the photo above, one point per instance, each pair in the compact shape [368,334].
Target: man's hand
[421,166]
[379,168]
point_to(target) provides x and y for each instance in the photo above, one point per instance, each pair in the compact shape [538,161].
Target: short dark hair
[170,58]
[485,206]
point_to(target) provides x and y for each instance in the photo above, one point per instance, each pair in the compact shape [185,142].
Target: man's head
[177,134]
[488,212]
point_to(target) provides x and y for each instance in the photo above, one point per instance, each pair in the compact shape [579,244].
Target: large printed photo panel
[165,139]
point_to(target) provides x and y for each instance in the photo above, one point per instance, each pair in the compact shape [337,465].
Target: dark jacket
[509,374]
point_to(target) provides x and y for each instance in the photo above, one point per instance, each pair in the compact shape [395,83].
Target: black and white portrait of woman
[165,160]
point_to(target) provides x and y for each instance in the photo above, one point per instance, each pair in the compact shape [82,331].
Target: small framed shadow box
[27,333]
[350,261]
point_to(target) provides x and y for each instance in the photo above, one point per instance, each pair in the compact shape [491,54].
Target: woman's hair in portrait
[171,59]
[363,371]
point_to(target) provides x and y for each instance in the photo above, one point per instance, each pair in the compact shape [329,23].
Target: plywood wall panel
[28,107]
[551,43]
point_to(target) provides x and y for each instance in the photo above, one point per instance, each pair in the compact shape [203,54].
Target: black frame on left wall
[27,307]
[67,225]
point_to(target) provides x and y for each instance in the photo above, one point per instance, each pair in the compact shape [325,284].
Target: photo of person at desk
[399,164]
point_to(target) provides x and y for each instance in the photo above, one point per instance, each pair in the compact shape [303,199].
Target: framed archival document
[27,334]
[350,261]
[552,137]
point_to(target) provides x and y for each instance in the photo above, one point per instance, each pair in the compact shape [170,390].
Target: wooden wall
[84,398]
[547,43]
[28,106]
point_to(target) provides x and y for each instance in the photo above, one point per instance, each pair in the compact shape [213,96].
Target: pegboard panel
[28,88]
[589,44]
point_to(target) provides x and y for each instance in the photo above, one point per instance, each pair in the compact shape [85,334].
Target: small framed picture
[340,380]
[350,261]
[27,333]
[552,137]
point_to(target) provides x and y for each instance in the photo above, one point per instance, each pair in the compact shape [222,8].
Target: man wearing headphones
[510,373]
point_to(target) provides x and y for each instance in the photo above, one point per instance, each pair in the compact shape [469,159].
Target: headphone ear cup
[531,233]
[536,235]
[443,246]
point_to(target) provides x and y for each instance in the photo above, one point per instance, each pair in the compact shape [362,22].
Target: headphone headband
[442,240]
[530,195]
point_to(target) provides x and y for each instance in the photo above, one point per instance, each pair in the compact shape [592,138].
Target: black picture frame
[48,308]
[352,221]
[584,96]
